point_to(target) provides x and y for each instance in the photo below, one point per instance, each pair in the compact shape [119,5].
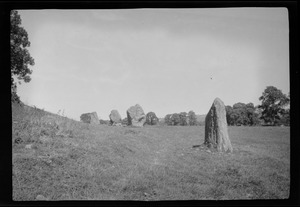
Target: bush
[106,122]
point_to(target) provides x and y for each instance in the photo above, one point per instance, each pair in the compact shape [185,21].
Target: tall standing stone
[115,117]
[90,118]
[136,116]
[216,132]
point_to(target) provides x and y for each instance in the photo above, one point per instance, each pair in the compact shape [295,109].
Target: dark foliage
[242,114]
[20,57]
[182,119]
[192,118]
[273,105]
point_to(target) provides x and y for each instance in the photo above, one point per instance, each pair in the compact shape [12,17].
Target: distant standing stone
[151,118]
[115,117]
[90,118]
[216,132]
[136,116]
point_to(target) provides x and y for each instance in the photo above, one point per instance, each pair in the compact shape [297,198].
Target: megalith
[115,117]
[151,118]
[216,132]
[90,118]
[136,116]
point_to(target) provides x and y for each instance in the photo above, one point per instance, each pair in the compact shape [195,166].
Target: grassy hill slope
[62,159]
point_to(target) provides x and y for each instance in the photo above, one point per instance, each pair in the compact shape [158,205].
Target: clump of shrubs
[105,122]
[181,119]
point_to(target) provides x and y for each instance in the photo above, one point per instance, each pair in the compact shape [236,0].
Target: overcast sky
[166,60]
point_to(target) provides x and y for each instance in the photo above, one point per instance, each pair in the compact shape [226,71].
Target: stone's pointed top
[218,100]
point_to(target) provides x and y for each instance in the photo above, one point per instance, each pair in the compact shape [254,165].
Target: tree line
[181,119]
[242,114]
[274,110]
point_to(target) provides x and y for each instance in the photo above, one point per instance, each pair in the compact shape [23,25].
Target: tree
[229,115]
[192,118]
[20,57]
[256,116]
[273,103]
[183,118]
[175,119]
[250,113]
[168,120]
[285,117]
[241,115]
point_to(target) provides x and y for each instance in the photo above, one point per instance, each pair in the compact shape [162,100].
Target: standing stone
[90,118]
[151,118]
[136,116]
[216,132]
[115,117]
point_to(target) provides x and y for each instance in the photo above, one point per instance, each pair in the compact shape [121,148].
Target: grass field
[62,159]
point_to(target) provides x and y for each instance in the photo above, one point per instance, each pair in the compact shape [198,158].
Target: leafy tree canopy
[168,119]
[241,114]
[175,119]
[273,104]
[192,118]
[20,57]
[183,118]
